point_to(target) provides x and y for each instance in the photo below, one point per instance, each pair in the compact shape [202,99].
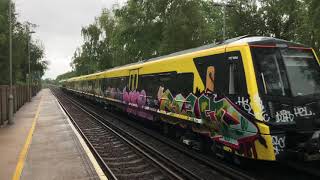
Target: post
[29,75]
[29,59]
[2,106]
[224,6]
[10,119]
[224,22]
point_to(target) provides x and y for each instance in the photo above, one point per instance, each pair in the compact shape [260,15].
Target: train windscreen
[287,71]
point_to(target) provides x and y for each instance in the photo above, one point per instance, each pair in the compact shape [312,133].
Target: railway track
[122,156]
[178,155]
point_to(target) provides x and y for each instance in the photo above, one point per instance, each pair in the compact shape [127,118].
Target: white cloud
[59,25]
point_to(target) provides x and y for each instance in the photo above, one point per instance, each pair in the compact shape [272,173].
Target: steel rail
[105,167]
[221,167]
[175,166]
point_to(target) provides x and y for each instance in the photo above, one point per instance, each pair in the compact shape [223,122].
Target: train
[253,97]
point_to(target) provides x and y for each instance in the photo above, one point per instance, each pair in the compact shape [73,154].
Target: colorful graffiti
[137,100]
[219,118]
[222,119]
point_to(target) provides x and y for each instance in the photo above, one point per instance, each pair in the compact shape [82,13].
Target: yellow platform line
[24,151]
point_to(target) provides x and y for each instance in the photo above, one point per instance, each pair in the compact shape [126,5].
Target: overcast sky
[59,25]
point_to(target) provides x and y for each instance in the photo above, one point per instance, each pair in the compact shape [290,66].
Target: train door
[133,79]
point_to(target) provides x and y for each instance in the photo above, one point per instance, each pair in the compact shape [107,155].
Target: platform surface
[54,152]
[12,138]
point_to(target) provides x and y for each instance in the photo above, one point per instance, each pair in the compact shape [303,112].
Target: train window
[237,81]
[176,83]
[98,87]
[184,83]
[232,69]
[114,82]
[148,84]
[122,83]
[222,73]
[272,75]
[117,82]
[86,86]
[91,86]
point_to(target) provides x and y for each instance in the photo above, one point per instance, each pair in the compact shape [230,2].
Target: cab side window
[223,73]
[237,78]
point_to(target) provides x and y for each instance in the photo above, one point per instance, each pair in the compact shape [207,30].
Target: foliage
[143,29]
[46,83]
[65,75]
[20,42]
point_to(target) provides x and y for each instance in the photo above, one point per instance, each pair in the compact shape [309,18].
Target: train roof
[251,40]
[247,39]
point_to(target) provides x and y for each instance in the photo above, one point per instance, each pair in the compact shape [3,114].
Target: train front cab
[283,81]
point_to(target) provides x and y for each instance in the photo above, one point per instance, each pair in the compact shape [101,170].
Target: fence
[20,96]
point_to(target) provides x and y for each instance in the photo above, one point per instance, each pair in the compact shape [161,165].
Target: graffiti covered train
[256,97]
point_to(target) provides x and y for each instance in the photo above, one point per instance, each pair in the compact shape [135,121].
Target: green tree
[281,17]
[143,29]
[184,27]
[244,17]
[20,42]
[66,75]
[313,7]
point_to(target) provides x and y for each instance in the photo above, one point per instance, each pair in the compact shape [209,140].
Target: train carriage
[256,97]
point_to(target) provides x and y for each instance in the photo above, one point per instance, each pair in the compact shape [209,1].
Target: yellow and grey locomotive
[256,97]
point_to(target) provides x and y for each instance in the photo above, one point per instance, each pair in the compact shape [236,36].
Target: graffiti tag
[284,116]
[279,143]
[302,112]
[244,103]
[220,116]
[263,112]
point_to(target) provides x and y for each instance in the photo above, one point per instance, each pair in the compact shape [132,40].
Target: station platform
[43,144]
